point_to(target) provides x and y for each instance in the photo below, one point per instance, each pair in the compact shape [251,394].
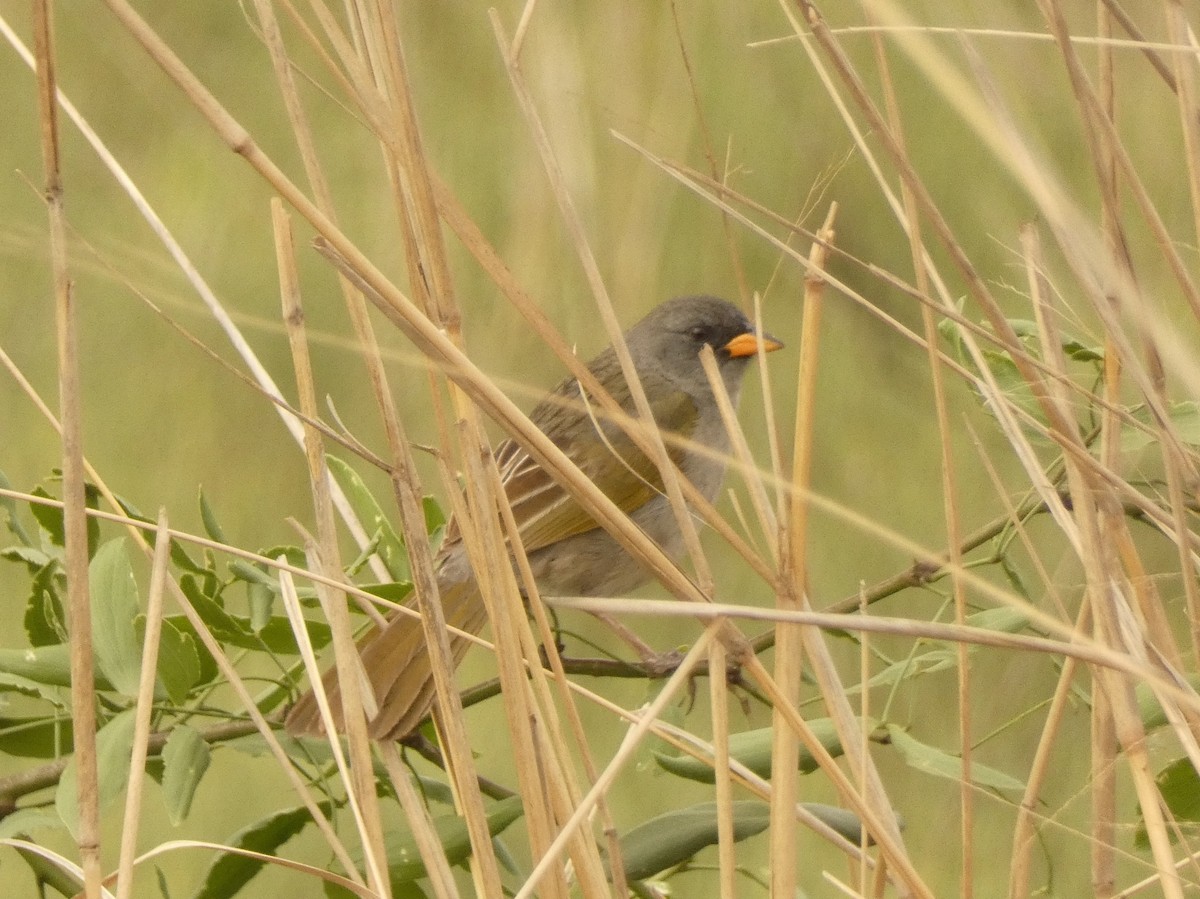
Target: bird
[568,552]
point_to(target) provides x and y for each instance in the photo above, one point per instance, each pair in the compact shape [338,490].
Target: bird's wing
[545,512]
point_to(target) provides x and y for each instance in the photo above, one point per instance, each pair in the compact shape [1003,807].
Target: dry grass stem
[135,528]
[355,304]
[719,702]
[327,558]
[1064,627]
[487,550]
[950,493]
[203,290]
[793,584]
[448,714]
[642,726]
[145,702]
[882,823]
[545,766]
[432,853]
[655,447]
[83,675]
[320,873]
[864,715]
[291,604]
[1184,71]
[1072,643]
[501,409]
[743,462]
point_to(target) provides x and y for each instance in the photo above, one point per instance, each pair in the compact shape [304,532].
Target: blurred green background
[162,419]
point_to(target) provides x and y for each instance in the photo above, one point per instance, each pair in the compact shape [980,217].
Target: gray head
[669,340]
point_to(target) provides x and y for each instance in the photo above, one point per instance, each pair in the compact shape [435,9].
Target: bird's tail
[398,668]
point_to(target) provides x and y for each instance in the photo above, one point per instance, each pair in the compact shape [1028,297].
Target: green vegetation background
[163,420]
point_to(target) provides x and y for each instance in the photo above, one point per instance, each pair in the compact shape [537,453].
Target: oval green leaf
[676,836]
[113,743]
[114,609]
[185,759]
[229,872]
[752,748]
[931,760]
[389,546]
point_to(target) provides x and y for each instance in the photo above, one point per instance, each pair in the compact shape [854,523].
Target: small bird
[570,555]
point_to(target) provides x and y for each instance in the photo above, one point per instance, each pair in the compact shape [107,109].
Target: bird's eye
[700,334]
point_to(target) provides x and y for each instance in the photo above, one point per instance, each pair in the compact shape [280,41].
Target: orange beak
[748,345]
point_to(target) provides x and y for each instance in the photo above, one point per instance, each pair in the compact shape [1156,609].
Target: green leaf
[842,820]
[52,871]
[251,574]
[50,665]
[951,332]
[178,554]
[162,883]
[277,635]
[1011,383]
[315,751]
[114,610]
[1184,417]
[926,663]
[1179,785]
[33,559]
[934,761]
[262,599]
[435,521]
[50,518]
[408,890]
[18,684]
[44,617]
[1080,351]
[208,665]
[390,548]
[185,759]
[1004,370]
[21,823]
[209,519]
[178,662]
[753,749]
[674,837]
[224,626]
[293,555]
[1074,347]
[12,513]
[359,562]
[404,861]
[112,765]
[1001,619]
[1004,619]
[229,873]
[1152,714]
[396,592]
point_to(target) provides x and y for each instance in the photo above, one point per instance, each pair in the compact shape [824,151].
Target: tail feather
[398,667]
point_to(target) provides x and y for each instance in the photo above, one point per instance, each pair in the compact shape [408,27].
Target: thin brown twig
[793,581]
[1118,14]
[326,558]
[83,698]
[950,492]
[145,701]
